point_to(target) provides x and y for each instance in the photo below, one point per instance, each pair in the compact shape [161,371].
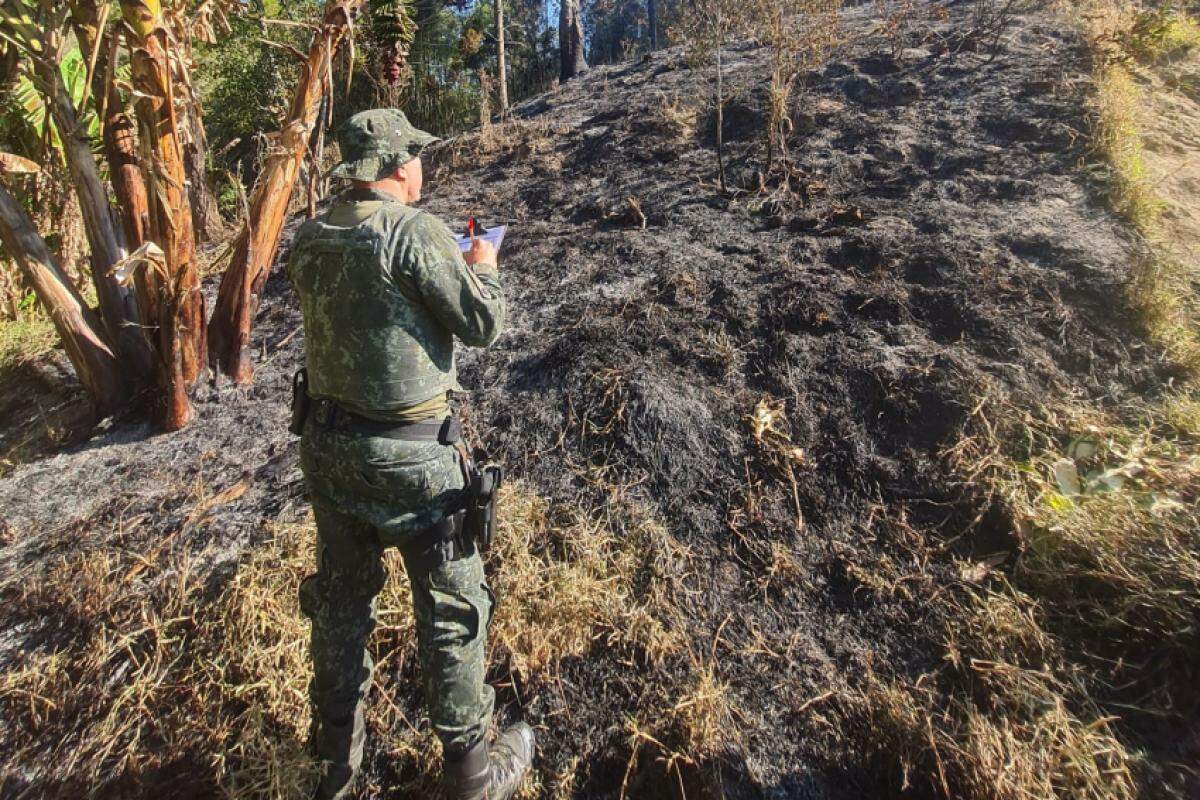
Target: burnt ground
[949,242]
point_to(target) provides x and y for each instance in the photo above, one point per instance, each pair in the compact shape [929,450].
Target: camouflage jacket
[384,290]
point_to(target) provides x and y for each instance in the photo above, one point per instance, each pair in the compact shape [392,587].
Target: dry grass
[1160,292]
[1118,108]
[1106,509]
[1159,289]
[1090,623]
[258,661]
[39,410]
[684,736]
[704,715]
[675,119]
[149,678]
[572,581]
[145,672]
[518,139]
[1043,657]
[1005,716]
[955,746]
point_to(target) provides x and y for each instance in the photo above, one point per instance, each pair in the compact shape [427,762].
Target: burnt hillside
[745,401]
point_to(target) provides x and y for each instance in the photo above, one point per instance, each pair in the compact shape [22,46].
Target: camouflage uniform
[384,290]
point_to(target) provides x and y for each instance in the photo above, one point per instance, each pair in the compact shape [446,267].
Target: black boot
[491,773]
[339,751]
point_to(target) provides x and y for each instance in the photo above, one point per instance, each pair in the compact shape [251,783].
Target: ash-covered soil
[943,241]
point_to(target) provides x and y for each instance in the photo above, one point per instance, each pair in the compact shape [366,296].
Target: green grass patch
[25,339]
[1159,292]
[1160,33]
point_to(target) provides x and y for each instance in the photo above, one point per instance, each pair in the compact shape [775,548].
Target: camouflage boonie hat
[376,142]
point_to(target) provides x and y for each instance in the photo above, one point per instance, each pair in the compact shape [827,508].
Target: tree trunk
[570,40]
[720,105]
[120,146]
[316,157]
[206,219]
[179,337]
[254,250]
[501,67]
[652,17]
[118,307]
[80,331]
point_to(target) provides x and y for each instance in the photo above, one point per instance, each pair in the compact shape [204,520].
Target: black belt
[328,415]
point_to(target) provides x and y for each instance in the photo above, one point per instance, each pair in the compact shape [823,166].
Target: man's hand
[481,253]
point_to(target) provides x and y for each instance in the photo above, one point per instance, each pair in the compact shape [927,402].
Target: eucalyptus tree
[570,40]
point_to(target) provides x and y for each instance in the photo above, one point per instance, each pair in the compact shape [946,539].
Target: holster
[445,541]
[301,402]
[479,525]
[471,526]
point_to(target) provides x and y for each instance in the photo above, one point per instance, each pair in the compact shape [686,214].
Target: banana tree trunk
[254,251]
[78,327]
[118,307]
[175,288]
[206,219]
[120,145]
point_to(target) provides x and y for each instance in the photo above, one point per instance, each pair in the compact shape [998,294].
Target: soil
[944,239]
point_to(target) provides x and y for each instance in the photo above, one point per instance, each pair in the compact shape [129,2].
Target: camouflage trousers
[369,494]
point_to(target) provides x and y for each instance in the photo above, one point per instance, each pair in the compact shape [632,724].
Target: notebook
[493,235]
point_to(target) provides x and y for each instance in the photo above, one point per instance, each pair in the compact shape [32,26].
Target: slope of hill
[732,422]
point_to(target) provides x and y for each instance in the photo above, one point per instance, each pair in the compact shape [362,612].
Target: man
[384,290]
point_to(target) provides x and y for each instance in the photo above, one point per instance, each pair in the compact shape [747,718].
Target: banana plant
[171,299]
[33,114]
[392,31]
[256,243]
[37,31]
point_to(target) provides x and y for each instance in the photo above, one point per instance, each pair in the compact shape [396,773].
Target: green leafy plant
[1159,33]
[393,29]
[31,119]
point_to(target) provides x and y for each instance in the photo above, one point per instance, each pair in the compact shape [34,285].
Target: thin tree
[501,67]
[81,332]
[254,250]
[570,40]
[707,26]
[652,21]
[170,287]
[719,21]
[799,35]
